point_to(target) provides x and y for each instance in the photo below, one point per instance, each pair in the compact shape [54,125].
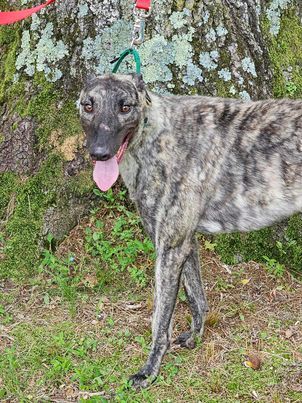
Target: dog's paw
[140,380]
[186,339]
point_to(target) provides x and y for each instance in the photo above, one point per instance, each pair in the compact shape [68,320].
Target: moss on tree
[24,199]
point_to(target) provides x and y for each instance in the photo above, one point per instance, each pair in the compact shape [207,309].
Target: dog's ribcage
[223,165]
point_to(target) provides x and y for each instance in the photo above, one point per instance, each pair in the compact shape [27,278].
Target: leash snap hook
[138,33]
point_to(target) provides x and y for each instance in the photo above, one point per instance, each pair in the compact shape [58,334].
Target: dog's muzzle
[100,154]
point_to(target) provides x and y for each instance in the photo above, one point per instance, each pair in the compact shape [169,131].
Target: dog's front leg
[168,268]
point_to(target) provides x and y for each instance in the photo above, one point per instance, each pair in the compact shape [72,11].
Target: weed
[209,245]
[171,371]
[61,272]
[5,317]
[213,318]
[138,276]
[88,376]
[291,89]
[142,342]
[84,346]
[59,366]
[274,267]
[223,285]
[120,247]
[110,322]
[182,295]
[110,197]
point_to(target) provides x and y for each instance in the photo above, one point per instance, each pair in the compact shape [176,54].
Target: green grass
[52,356]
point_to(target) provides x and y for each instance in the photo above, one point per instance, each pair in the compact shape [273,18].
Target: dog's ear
[139,82]
[140,85]
[90,78]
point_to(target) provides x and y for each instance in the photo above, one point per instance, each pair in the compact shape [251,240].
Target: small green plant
[85,346]
[142,342]
[171,369]
[119,249]
[182,295]
[138,276]
[61,272]
[5,317]
[110,322]
[223,285]
[291,89]
[110,196]
[209,245]
[1,239]
[89,376]
[59,367]
[274,267]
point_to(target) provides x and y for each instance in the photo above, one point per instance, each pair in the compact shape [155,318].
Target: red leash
[143,4]
[9,17]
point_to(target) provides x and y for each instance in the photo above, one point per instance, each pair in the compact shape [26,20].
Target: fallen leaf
[227,268]
[252,361]
[245,281]
[70,392]
[273,294]
[289,333]
[133,307]
[255,395]
[90,281]
[298,356]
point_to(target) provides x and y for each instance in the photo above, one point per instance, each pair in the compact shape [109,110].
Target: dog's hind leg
[169,264]
[196,298]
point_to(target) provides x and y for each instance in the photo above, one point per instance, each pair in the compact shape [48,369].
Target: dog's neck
[152,120]
[150,126]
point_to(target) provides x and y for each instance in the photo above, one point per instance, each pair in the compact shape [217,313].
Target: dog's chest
[140,167]
[129,169]
[147,182]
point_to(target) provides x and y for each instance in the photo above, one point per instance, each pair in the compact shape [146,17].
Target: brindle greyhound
[191,163]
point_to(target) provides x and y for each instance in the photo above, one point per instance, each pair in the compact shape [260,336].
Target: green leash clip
[124,54]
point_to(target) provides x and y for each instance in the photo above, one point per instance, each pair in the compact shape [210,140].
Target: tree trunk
[231,48]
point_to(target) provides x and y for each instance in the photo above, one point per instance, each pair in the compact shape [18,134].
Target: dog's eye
[125,108]
[88,108]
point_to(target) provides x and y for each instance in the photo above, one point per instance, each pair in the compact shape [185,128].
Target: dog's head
[111,108]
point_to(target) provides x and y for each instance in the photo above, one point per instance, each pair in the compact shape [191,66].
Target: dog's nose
[100,154]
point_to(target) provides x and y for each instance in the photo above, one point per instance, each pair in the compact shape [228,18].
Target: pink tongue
[105,173]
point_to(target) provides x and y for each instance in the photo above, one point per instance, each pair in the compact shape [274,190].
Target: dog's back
[238,164]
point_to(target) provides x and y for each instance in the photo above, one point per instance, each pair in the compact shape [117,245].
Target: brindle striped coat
[195,164]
